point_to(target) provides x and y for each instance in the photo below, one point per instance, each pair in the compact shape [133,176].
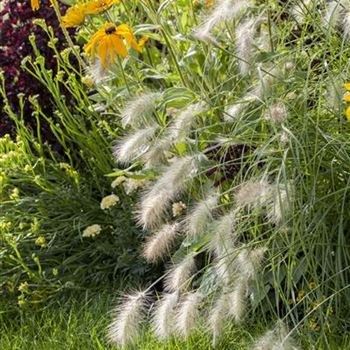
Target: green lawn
[80,325]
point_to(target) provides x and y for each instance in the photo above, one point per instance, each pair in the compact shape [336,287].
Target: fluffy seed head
[245,36]
[235,111]
[284,138]
[280,205]
[97,72]
[275,339]
[346,24]
[134,145]
[188,313]
[125,326]
[160,243]
[170,185]
[267,79]
[224,269]
[277,113]
[253,193]
[238,300]
[223,11]
[248,262]
[218,316]
[332,14]
[138,112]
[183,123]
[301,9]
[180,274]
[201,215]
[164,316]
[223,236]
[156,153]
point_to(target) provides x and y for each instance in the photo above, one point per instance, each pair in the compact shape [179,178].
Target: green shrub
[50,193]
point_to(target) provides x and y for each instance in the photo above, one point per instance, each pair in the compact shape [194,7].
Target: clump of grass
[282,176]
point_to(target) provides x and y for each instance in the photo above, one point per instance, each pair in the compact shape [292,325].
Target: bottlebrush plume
[125,326]
[332,14]
[235,111]
[346,24]
[218,316]
[301,9]
[164,316]
[224,10]
[245,37]
[223,267]
[159,245]
[248,262]
[267,79]
[134,145]
[238,300]
[188,313]
[275,339]
[156,153]
[97,72]
[171,184]
[253,193]
[180,274]
[276,113]
[197,221]
[182,124]
[138,112]
[223,237]
[281,204]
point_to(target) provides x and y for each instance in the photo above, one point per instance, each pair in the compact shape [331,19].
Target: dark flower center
[110,30]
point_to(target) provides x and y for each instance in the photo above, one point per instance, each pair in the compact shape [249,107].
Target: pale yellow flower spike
[35,4]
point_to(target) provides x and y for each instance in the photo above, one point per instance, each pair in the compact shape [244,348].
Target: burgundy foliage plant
[16,25]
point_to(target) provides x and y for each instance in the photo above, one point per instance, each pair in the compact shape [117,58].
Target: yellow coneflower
[74,16]
[97,6]
[347,99]
[108,41]
[35,4]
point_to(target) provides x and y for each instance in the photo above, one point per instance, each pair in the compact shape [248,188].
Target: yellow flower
[108,41]
[301,294]
[92,231]
[98,6]
[348,113]
[35,4]
[41,242]
[87,80]
[109,201]
[313,325]
[24,287]
[347,86]
[312,285]
[74,16]
[178,208]
[14,194]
